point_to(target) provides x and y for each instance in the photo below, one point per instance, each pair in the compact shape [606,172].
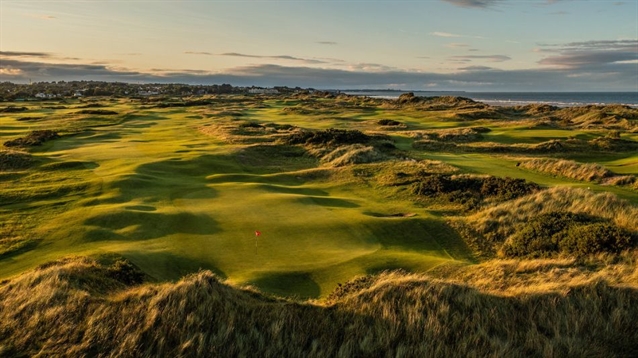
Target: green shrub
[388,122]
[329,137]
[34,138]
[541,236]
[575,234]
[595,238]
[470,191]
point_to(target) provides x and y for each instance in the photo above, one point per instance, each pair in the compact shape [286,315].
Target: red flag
[257,233]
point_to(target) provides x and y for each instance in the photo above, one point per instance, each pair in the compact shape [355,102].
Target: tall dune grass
[488,229]
[569,169]
[79,308]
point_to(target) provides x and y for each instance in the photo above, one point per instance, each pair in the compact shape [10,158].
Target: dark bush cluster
[472,190]
[14,160]
[329,137]
[101,112]
[576,234]
[125,272]
[250,125]
[34,138]
[13,109]
[388,122]
[193,103]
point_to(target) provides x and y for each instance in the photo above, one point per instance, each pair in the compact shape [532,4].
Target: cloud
[198,53]
[371,67]
[476,68]
[490,58]
[448,34]
[474,3]
[457,45]
[24,54]
[614,76]
[42,17]
[326,42]
[590,55]
[444,34]
[279,57]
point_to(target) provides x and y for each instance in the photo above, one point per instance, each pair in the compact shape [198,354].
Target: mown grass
[172,198]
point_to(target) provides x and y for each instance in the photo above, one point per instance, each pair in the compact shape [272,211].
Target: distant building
[45,95]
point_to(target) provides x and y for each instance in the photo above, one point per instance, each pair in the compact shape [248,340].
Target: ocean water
[560,99]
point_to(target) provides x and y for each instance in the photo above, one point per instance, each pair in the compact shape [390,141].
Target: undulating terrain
[317,225]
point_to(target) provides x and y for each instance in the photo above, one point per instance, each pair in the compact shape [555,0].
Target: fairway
[158,191]
[176,190]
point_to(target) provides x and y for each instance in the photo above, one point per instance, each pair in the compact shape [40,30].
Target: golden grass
[488,229]
[77,307]
[568,169]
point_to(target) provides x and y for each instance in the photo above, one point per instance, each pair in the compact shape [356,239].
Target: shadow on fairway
[140,225]
[169,266]
[420,235]
[296,284]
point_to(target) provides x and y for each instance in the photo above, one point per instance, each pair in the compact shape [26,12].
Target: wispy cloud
[476,68]
[326,42]
[474,3]
[595,65]
[457,45]
[24,54]
[41,17]
[371,67]
[198,53]
[490,58]
[448,34]
[278,57]
[445,34]
[590,54]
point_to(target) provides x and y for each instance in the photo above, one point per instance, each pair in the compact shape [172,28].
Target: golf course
[293,197]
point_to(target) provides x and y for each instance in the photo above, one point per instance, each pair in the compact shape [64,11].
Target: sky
[470,45]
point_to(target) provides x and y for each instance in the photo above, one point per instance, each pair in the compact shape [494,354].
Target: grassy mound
[328,137]
[353,154]
[471,134]
[100,112]
[568,233]
[33,139]
[568,169]
[11,160]
[472,191]
[79,307]
[491,228]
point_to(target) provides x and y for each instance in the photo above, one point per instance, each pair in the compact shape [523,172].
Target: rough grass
[487,230]
[78,307]
[569,169]
[590,172]
[12,159]
[34,138]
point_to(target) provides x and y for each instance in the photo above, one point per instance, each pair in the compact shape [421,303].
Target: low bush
[34,138]
[568,233]
[101,112]
[388,122]
[595,238]
[13,109]
[460,186]
[329,137]
[10,160]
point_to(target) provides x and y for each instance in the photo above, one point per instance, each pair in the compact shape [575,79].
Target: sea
[559,99]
